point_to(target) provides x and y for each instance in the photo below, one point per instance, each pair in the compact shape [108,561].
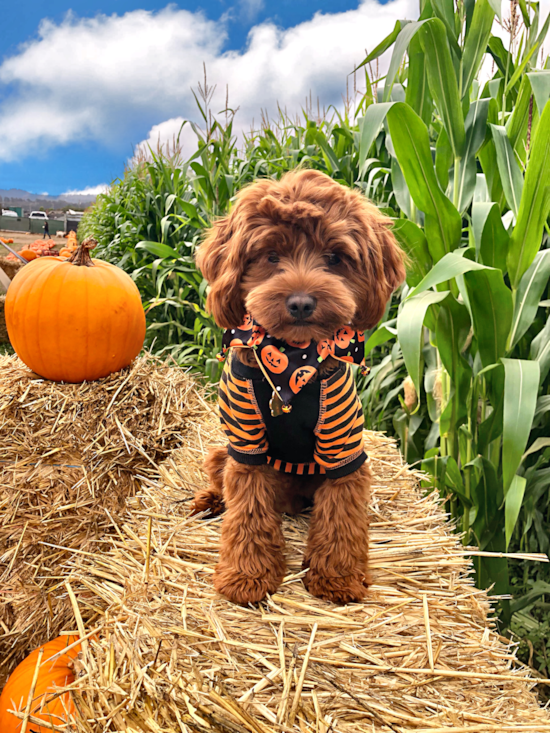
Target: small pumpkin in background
[74,320]
[64,252]
[54,672]
[28,254]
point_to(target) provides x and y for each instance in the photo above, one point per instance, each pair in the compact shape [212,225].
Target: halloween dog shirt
[319,428]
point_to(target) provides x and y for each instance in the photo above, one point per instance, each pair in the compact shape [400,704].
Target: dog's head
[304,256]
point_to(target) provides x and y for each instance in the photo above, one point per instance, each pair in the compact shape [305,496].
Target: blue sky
[81,84]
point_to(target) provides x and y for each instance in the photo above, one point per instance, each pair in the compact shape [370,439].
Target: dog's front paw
[208,501]
[243,589]
[347,589]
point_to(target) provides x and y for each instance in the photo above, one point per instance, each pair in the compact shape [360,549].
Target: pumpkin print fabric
[289,366]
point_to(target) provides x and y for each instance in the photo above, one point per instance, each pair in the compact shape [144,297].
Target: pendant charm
[275,405]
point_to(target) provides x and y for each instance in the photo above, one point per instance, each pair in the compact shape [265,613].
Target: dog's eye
[273,257]
[333,259]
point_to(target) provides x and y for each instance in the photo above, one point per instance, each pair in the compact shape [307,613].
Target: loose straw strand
[32,689]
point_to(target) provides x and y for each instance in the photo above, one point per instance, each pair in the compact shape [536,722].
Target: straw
[167,653]
[419,653]
[72,455]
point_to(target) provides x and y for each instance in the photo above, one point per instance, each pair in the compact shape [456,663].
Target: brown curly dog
[302,257]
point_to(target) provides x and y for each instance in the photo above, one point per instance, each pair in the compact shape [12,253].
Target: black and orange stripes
[325,430]
[240,417]
[339,431]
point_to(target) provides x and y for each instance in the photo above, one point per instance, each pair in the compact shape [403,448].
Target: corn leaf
[380,336]
[497,7]
[476,42]
[401,45]
[418,95]
[518,122]
[540,350]
[528,295]
[383,46]
[490,303]
[158,249]
[512,504]
[442,81]
[510,173]
[535,204]
[490,236]
[448,267]
[410,323]
[521,384]
[414,242]
[371,126]
[412,146]
[501,56]
[540,84]
[476,128]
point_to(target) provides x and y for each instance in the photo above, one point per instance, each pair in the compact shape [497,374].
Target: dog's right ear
[221,260]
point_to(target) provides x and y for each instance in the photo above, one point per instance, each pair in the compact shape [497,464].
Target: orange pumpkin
[274,359]
[300,344]
[246,325]
[343,337]
[257,336]
[28,254]
[301,377]
[325,348]
[74,320]
[53,673]
[64,252]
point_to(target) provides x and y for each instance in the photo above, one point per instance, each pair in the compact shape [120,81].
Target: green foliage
[473,323]
[6,350]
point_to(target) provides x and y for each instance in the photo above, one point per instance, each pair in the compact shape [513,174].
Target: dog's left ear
[221,259]
[382,267]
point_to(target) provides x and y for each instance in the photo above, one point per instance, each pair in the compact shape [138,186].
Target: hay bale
[71,456]
[10,267]
[420,653]
[4,339]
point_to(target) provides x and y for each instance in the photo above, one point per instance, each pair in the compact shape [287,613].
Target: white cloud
[88,191]
[93,78]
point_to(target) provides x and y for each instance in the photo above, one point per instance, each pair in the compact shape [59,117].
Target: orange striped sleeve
[241,420]
[339,432]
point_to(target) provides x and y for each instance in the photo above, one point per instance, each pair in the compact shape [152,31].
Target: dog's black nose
[301,306]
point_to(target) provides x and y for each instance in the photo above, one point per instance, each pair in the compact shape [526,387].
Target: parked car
[38,215]
[9,212]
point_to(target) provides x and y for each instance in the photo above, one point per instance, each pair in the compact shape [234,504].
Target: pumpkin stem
[82,255]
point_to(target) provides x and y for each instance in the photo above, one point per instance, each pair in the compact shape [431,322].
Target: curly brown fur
[308,236]
[251,555]
[337,545]
[211,499]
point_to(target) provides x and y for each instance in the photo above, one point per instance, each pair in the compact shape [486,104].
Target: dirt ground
[20,240]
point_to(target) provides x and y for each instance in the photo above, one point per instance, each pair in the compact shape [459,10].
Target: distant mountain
[55,202]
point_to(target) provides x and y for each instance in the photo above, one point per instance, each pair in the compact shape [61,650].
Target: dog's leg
[211,498]
[337,544]
[251,553]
